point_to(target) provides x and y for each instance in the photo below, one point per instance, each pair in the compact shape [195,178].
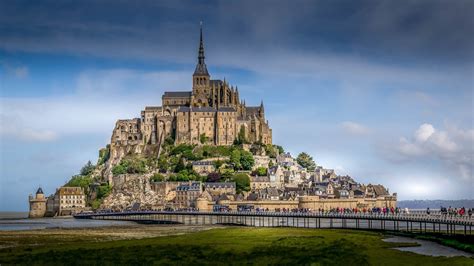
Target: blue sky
[379,90]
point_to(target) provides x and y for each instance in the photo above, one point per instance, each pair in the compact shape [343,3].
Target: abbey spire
[201,69]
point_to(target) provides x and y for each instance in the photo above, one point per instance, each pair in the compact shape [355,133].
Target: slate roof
[196,109]
[194,186]
[219,184]
[153,107]
[227,109]
[252,110]
[380,190]
[177,94]
[215,82]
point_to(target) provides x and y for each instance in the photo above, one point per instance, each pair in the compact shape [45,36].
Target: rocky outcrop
[131,189]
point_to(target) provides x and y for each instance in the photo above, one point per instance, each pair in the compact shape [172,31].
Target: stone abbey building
[212,113]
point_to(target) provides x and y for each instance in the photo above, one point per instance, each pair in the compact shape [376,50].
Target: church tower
[201,89]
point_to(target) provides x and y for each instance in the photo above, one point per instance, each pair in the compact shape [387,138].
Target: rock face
[131,189]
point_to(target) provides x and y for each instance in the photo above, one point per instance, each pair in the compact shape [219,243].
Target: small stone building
[37,204]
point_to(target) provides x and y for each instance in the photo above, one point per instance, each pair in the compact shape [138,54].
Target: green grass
[228,246]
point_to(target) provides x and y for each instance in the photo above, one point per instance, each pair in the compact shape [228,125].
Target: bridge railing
[379,216]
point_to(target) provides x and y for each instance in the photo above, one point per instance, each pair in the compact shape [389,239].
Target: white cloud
[354,128]
[453,147]
[424,132]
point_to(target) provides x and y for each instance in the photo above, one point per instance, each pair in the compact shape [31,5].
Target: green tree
[271,151]
[183,175]
[163,164]
[246,160]
[119,170]
[218,164]
[261,171]
[279,148]
[242,182]
[306,161]
[235,159]
[203,138]
[103,191]
[87,169]
[157,177]
[80,181]
[270,164]
[227,174]
[180,166]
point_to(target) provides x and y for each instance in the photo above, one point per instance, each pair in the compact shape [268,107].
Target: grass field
[218,246]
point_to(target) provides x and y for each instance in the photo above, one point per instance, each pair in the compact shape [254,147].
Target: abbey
[212,113]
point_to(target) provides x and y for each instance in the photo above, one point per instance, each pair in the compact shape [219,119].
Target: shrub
[180,166]
[203,138]
[119,170]
[227,174]
[80,181]
[183,175]
[271,151]
[103,191]
[157,177]
[261,171]
[133,165]
[104,155]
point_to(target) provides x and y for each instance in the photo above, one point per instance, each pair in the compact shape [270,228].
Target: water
[11,221]
[427,248]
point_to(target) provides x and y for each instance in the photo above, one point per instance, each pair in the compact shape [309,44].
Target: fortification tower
[37,204]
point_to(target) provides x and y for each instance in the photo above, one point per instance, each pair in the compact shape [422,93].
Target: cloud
[100,97]
[453,147]
[13,127]
[354,128]
[19,72]
[424,132]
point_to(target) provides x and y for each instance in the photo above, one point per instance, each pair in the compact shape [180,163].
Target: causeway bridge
[417,222]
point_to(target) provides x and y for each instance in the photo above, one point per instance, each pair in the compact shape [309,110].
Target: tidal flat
[207,245]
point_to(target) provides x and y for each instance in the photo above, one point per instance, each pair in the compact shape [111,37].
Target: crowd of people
[453,212]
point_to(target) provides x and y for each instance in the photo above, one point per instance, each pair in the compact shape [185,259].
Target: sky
[379,90]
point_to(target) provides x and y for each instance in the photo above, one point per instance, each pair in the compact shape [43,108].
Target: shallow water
[428,248]
[48,223]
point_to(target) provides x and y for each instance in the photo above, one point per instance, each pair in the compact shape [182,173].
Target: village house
[260,182]
[187,193]
[204,167]
[69,200]
[218,188]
